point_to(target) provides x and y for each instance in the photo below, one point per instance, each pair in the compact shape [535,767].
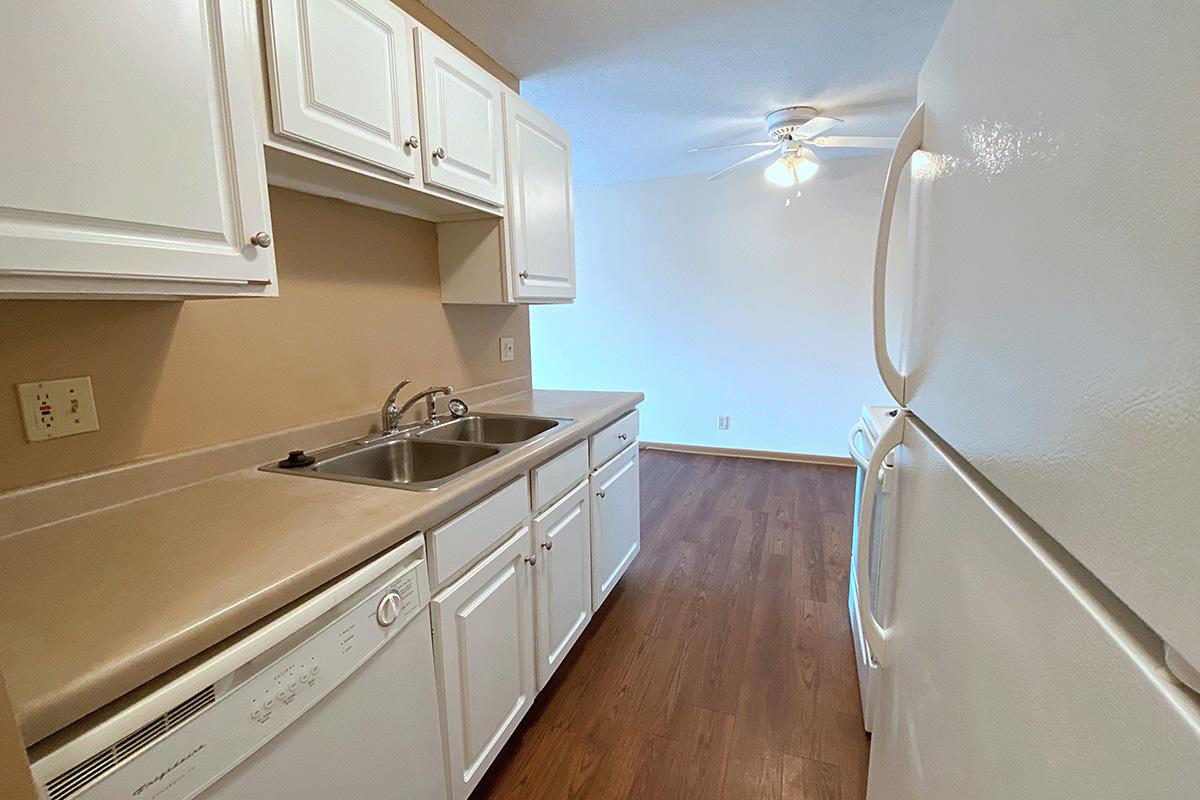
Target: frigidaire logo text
[166,771]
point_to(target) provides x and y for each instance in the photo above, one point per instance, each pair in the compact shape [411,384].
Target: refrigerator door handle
[874,633]
[859,430]
[1183,671]
[910,142]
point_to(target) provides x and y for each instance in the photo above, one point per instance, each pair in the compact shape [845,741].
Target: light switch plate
[58,408]
[506,348]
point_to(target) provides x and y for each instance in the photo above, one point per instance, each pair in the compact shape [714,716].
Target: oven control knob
[389,609]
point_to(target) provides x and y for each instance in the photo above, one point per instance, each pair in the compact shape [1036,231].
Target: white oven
[335,698]
[866,431]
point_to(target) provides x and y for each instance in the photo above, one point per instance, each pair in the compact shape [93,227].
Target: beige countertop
[94,606]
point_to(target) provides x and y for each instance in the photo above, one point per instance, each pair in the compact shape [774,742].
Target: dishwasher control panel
[345,643]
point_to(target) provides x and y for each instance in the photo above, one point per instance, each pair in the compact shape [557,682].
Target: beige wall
[359,308]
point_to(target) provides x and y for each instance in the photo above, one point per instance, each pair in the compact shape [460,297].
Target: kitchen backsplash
[359,309]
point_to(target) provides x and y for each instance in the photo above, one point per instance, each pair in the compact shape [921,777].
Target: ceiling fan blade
[727,146]
[746,160]
[871,142]
[815,127]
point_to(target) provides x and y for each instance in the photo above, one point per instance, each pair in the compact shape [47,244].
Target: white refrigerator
[1044,614]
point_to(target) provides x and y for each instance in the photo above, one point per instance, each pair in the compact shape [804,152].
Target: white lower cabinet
[502,629]
[616,521]
[562,579]
[484,643]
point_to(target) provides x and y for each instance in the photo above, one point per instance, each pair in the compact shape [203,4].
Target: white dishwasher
[334,699]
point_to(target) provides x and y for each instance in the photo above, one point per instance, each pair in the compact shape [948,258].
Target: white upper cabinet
[463,148]
[541,236]
[130,158]
[343,77]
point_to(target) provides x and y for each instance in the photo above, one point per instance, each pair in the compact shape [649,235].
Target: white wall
[715,299]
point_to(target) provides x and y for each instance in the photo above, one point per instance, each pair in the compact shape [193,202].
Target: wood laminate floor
[721,666]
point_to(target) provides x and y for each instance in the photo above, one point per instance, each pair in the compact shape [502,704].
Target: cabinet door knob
[549,545]
[412,142]
[524,274]
[622,436]
[531,560]
[261,239]
[439,153]
[599,493]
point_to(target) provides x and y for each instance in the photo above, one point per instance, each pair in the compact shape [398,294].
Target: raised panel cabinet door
[563,578]
[483,640]
[461,118]
[129,150]
[540,219]
[343,77]
[616,522]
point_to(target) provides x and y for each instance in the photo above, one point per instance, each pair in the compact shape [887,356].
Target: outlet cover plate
[507,348]
[58,408]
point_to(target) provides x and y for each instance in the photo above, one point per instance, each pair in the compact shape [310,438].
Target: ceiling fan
[796,135]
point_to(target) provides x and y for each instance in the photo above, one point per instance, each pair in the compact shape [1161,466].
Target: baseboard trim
[762,455]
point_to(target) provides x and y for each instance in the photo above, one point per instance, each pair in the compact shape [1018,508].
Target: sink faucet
[389,416]
[430,397]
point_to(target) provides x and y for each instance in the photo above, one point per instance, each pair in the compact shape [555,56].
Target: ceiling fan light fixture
[804,169]
[789,171]
[780,173]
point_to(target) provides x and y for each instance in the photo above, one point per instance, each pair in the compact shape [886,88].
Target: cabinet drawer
[458,543]
[615,438]
[552,479]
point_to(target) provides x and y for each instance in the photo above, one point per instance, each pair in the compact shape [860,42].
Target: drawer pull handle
[600,493]
[549,545]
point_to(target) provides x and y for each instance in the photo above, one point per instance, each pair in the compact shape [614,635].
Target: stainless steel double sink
[425,456]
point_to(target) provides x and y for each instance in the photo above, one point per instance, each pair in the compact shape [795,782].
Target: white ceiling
[639,82]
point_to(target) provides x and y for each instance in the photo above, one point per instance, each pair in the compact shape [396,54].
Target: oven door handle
[875,634]
[859,429]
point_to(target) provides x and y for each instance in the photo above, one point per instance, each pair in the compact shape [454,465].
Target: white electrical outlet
[722,423]
[507,348]
[58,408]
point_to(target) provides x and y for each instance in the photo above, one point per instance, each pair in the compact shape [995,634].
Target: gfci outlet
[507,348]
[722,423]
[58,408]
